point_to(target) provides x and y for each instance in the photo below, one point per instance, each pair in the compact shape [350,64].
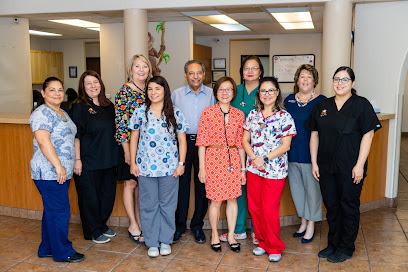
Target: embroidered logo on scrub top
[323,113]
[92,111]
[291,101]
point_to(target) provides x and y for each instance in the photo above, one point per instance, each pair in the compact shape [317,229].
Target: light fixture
[231,27]
[42,33]
[77,22]
[217,20]
[293,17]
[94,28]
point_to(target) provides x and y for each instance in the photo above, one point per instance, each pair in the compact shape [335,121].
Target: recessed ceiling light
[293,18]
[301,25]
[77,22]
[94,28]
[42,33]
[215,19]
[231,27]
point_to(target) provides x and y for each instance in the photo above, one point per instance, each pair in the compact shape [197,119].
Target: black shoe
[199,236]
[177,236]
[299,234]
[216,247]
[328,251]
[306,241]
[76,258]
[338,257]
[235,247]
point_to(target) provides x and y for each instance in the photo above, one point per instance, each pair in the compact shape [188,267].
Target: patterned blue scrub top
[62,135]
[157,152]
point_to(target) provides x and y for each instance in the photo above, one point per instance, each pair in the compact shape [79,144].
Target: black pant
[96,197]
[201,201]
[342,200]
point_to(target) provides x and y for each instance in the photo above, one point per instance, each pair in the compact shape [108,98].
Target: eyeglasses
[344,80]
[228,90]
[246,68]
[270,91]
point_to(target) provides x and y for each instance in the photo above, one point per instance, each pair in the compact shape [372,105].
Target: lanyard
[226,139]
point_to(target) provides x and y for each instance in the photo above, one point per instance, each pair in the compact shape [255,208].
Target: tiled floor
[381,245]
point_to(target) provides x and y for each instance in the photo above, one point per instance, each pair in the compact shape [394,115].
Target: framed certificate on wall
[219,63]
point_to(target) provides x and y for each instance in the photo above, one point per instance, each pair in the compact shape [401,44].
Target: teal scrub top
[249,100]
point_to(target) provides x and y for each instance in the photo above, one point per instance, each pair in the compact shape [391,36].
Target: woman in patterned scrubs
[268,132]
[52,166]
[156,160]
[222,158]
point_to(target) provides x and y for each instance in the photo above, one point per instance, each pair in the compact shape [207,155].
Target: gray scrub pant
[158,204]
[305,190]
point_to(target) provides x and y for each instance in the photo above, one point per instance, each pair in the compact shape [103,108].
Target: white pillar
[336,40]
[135,29]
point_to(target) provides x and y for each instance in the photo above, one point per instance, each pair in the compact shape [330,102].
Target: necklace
[142,91]
[303,104]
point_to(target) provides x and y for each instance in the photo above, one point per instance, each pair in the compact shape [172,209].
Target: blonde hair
[132,61]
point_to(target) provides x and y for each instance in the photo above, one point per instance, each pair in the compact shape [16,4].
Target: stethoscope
[242,104]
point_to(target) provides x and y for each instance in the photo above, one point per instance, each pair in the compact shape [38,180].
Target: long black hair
[350,72]
[279,99]
[167,103]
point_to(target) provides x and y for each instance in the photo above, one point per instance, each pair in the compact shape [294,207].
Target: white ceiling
[255,18]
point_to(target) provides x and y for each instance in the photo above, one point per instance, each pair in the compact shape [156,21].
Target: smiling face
[140,70]
[340,88]
[305,82]
[92,87]
[53,94]
[194,76]
[251,70]
[155,92]
[268,93]
[225,92]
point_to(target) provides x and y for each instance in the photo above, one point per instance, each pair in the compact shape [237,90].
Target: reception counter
[19,196]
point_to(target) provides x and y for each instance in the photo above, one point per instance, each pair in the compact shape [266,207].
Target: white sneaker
[259,251]
[165,249]
[254,240]
[239,236]
[275,257]
[153,252]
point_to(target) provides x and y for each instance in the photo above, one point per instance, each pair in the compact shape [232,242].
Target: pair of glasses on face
[227,90]
[344,80]
[270,91]
[246,68]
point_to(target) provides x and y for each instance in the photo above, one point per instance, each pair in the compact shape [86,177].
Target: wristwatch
[182,163]
[266,159]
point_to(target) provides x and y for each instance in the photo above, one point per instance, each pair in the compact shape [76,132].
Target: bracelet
[243,169]
[182,163]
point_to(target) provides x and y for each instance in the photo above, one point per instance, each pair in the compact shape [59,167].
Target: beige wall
[15,69]
[112,57]
[381,65]
[179,45]
[92,50]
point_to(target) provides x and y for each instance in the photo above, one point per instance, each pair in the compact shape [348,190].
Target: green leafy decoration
[159,27]
[166,58]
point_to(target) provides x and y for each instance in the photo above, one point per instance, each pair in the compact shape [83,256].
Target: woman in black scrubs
[96,156]
[342,128]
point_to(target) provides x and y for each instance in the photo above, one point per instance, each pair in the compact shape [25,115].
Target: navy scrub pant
[55,220]
[342,200]
[96,196]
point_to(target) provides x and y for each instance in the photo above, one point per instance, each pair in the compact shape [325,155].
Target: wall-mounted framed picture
[216,75]
[219,63]
[73,72]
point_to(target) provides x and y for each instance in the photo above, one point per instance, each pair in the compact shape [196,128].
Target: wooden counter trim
[17,190]
[14,118]
[385,116]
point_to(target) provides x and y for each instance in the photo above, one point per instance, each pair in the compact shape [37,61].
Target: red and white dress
[221,184]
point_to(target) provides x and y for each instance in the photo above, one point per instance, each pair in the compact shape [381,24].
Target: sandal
[136,238]
[216,247]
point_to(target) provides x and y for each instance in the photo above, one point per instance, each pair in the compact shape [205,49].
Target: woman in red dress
[222,158]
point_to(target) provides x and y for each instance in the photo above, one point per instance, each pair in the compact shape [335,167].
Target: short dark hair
[44,86]
[311,69]
[222,80]
[351,74]
[71,93]
[191,62]
[279,99]
[251,57]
